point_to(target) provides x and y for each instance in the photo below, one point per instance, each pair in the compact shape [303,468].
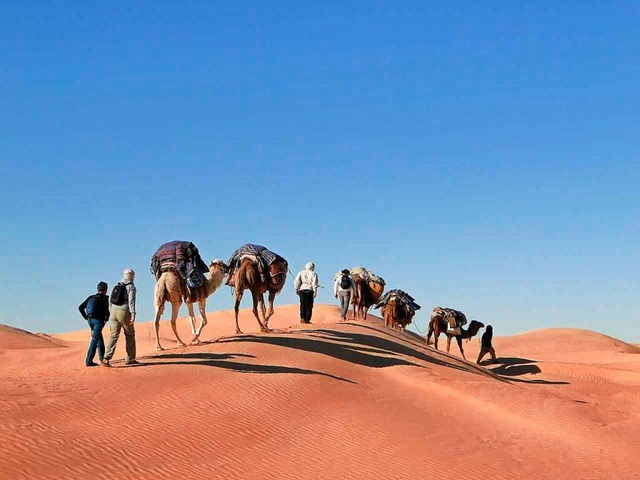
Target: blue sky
[482,156]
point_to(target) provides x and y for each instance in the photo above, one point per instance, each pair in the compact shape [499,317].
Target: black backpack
[119,294]
[93,306]
[345,283]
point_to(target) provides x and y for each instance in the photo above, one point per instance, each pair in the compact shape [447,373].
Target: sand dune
[16,338]
[330,400]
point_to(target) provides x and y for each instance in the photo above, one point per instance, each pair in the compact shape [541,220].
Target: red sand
[330,400]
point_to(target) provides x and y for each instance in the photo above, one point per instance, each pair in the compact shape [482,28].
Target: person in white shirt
[306,285]
[344,288]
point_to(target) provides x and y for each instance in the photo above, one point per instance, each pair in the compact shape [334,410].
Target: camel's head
[475,326]
[219,264]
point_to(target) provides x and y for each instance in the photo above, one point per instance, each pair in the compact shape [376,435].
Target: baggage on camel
[398,308]
[266,260]
[182,257]
[375,282]
[403,297]
[453,318]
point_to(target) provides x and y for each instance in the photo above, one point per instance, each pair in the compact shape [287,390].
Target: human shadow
[514,367]
[358,348]
[221,360]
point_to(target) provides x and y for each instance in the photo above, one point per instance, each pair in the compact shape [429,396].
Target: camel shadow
[514,367]
[358,348]
[220,360]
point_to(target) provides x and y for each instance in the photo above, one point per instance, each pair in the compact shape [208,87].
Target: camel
[395,314]
[438,325]
[171,288]
[366,295]
[247,277]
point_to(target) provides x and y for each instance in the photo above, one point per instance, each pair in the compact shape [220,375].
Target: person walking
[486,345]
[123,317]
[306,285]
[344,288]
[95,310]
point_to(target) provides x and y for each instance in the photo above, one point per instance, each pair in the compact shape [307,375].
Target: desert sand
[330,400]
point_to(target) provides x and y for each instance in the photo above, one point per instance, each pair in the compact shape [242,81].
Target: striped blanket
[403,297]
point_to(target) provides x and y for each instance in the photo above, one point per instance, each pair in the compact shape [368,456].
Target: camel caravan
[182,276]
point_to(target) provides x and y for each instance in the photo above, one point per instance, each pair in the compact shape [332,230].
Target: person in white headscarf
[123,317]
[306,285]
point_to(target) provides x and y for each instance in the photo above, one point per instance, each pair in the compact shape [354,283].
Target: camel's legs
[258,301]
[459,340]
[429,333]
[174,315]
[263,309]
[271,298]
[202,306]
[192,318]
[448,343]
[156,325]
[236,308]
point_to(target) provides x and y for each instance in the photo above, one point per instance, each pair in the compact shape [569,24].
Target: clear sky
[479,155]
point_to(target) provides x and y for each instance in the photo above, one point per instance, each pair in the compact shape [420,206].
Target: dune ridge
[330,400]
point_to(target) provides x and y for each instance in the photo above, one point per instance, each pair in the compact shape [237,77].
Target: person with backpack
[344,288]
[306,285]
[95,310]
[123,317]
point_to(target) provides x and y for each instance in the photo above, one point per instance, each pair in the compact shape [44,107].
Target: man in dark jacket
[486,345]
[95,310]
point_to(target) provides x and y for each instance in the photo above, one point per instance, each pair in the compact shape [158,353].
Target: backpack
[345,283]
[93,306]
[119,294]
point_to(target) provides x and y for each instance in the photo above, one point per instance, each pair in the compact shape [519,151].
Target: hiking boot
[133,362]
[105,363]
[92,364]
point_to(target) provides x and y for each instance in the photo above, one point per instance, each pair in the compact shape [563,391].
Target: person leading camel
[95,310]
[344,288]
[306,285]
[123,317]
[486,345]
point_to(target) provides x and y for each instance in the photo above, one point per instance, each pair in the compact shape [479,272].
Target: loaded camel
[171,288]
[366,295]
[438,325]
[396,315]
[248,277]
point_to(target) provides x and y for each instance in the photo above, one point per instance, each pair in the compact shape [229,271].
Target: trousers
[97,341]
[345,298]
[306,305]
[121,320]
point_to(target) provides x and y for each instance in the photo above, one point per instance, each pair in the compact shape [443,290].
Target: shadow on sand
[513,367]
[221,360]
[358,348]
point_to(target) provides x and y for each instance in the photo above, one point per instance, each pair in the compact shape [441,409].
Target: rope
[421,333]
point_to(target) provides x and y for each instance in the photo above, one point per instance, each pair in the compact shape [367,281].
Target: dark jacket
[102,309]
[487,337]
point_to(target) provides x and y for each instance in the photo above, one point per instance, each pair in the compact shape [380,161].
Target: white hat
[310,266]
[129,273]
